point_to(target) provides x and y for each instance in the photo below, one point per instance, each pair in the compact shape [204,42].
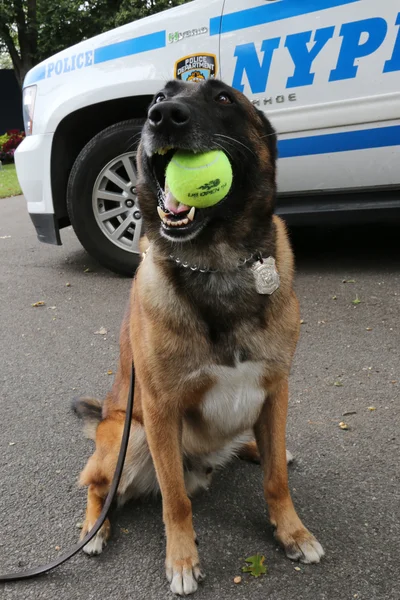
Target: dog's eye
[159,98]
[223,98]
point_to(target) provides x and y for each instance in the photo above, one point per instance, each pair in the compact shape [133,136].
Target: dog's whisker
[235,142]
[132,140]
[232,145]
[266,135]
[224,150]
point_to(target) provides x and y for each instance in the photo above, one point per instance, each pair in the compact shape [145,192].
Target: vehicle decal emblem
[196,67]
[177,36]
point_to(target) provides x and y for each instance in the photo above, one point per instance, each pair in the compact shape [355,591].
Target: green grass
[9,185]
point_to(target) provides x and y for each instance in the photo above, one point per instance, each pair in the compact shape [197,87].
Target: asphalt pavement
[345,482]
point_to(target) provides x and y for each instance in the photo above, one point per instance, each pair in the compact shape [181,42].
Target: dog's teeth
[174,223]
[161,213]
[190,215]
[163,151]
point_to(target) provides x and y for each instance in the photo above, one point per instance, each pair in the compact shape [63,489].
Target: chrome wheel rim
[115,203]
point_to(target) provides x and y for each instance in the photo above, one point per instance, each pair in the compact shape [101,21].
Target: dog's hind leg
[138,476]
[94,507]
[97,475]
[251,453]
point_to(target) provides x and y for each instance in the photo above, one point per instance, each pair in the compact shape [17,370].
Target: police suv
[327,73]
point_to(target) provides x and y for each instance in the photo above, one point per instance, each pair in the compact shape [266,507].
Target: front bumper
[46,228]
[32,161]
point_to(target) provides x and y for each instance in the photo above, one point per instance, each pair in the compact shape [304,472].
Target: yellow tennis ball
[201,179]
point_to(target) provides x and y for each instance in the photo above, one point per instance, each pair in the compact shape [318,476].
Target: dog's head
[199,117]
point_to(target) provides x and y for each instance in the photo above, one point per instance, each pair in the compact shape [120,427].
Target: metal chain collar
[203,269]
[256,256]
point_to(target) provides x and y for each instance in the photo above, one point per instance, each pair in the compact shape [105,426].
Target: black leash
[35,571]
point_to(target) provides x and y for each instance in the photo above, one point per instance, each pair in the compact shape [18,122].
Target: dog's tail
[90,411]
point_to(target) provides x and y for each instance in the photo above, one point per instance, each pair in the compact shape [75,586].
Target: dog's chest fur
[234,402]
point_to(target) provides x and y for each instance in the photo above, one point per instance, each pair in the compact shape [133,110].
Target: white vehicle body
[326,72]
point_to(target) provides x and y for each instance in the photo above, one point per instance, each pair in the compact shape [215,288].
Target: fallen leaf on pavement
[297,569]
[349,281]
[237,579]
[338,384]
[40,303]
[109,372]
[5,237]
[368,328]
[356,301]
[343,425]
[371,408]
[68,284]
[101,331]
[124,530]
[349,412]
[256,566]
[11,443]
[57,548]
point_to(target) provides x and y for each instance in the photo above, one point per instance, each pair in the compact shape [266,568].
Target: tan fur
[176,372]
[163,395]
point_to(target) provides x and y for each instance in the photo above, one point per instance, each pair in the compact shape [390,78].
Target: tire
[104,212]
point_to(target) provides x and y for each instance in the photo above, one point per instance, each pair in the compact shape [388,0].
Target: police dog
[212,351]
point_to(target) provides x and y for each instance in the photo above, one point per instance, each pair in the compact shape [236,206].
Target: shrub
[9,142]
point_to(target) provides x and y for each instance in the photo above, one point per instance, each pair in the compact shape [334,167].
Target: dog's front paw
[96,545]
[184,574]
[301,545]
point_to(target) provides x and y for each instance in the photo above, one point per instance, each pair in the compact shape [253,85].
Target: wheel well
[75,131]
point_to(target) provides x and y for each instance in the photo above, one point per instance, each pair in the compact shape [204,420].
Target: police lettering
[70,63]
[197,62]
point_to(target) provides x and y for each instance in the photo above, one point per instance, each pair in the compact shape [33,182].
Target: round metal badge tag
[266,276]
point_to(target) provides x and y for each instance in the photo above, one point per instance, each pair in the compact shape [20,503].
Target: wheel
[101,197]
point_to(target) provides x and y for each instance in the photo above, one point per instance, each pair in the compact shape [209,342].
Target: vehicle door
[326,72]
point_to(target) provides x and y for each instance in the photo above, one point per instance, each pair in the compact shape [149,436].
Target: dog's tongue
[172,205]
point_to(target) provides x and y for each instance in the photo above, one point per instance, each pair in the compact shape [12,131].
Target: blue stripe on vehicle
[144,43]
[268,13]
[35,75]
[340,142]
[152,41]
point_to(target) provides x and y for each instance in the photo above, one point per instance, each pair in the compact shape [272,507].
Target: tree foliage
[32,30]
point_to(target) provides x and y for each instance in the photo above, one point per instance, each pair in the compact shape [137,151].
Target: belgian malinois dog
[211,329]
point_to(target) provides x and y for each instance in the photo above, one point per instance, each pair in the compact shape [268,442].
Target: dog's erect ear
[270,135]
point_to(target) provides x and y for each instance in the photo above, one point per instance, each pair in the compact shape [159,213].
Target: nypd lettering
[359,39]
[196,67]
[70,63]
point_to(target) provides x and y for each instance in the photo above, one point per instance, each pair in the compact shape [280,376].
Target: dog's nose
[166,114]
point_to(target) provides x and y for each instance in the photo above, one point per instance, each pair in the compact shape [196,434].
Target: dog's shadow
[230,519]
